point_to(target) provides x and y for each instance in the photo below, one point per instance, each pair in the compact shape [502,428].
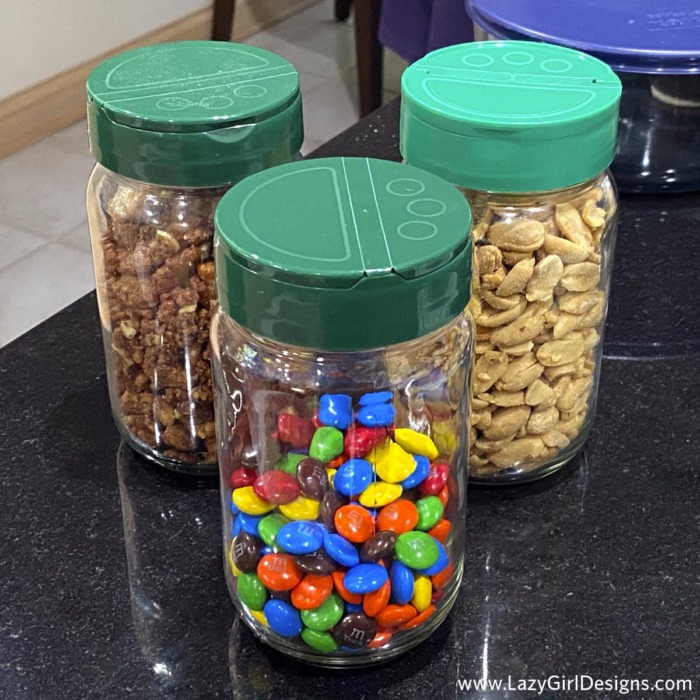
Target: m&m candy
[343,542]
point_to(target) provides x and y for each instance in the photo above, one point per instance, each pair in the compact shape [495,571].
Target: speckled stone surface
[111,578]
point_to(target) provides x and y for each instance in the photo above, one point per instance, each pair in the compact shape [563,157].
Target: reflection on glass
[179,605]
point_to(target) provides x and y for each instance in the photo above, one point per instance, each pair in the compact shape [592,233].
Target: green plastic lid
[343,253]
[194,113]
[510,116]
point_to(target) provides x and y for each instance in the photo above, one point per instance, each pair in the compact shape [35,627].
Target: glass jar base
[361,657]
[513,476]
[173,465]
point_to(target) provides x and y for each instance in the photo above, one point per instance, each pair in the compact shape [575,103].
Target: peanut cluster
[539,306]
[157,292]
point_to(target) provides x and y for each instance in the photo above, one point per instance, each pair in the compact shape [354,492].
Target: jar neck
[521,199]
[280,348]
[101,172]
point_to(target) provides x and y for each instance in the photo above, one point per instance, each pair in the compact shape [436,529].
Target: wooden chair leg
[370,56]
[222,23]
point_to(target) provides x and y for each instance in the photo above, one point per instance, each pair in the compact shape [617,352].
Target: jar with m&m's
[341,358]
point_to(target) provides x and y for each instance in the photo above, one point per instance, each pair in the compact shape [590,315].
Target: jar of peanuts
[527,132]
[341,355]
[172,127]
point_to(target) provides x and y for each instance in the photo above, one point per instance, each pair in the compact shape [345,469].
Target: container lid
[640,36]
[509,116]
[343,253]
[193,113]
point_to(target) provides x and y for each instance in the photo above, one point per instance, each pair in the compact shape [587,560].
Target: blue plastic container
[654,46]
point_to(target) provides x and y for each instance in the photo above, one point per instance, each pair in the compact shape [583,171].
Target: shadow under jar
[545,220]
[341,356]
[166,152]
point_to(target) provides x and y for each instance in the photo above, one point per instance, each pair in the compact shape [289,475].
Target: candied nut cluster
[157,294]
[539,305]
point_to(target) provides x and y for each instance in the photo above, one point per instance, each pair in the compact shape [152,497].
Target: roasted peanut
[560,352]
[488,369]
[511,258]
[484,445]
[481,419]
[541,421]
[545,277]
[493,279]
[539,393]
[516,280]
[501,303]
[567,251]
[554,438]
[519,349]
[520,373]
[488,258]
[580,302]
[479,404]
[517,332]
[580,277]
[518,451]
[521,235]
[503,399]
[592,214]
[565,323]
[507,422]
[490,318]
[570,223]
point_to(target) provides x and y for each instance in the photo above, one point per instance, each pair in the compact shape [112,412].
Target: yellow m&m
[416,443]
[301,509]
[249,502]
[422,593]
[379,494]
[391,462]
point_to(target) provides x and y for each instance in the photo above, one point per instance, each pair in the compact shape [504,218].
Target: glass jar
[655,50]
[166,152]
[341,355]
[544,206]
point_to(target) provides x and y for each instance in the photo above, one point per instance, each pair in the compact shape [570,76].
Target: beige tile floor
[45,260]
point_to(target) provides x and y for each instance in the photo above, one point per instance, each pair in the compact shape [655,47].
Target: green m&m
[251,591]
[417,550]
[430,510]
[325,615]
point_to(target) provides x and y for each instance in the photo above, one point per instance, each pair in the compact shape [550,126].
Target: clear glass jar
[543,263]
[535,174]
[262,387]
[166,152]
[152,249]
[341,355]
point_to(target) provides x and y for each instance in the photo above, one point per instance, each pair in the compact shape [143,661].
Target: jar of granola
[172,127]
[341,354]
[527,132]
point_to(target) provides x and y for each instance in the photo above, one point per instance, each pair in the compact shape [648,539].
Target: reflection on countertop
[179,621]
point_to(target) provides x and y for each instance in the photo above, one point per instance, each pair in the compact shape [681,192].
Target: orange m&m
[279,572]
[418,619]
[312,591]
[354,523]
[377,600]
[441,531]
[400,516]
[441,578]
[395,615]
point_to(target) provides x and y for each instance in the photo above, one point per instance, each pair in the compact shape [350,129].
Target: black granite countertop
[112,582]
